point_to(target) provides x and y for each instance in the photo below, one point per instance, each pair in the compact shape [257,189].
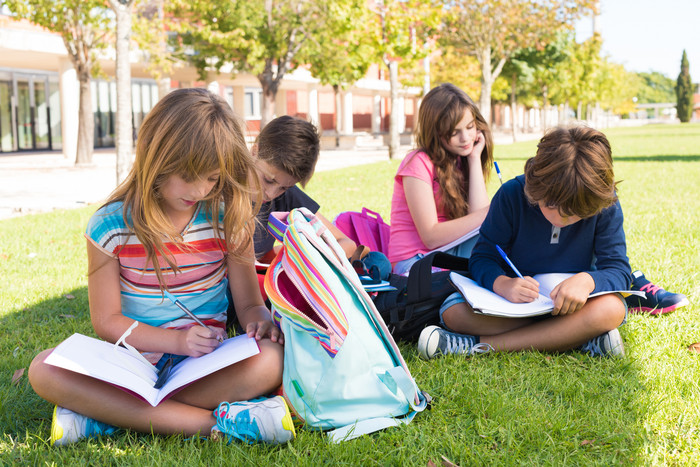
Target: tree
[341,54]
[684,91]
[150,32]
[655,87]
[493,30]
[452,67]
[83,25]
[401,29]
[258,37]
[124,137]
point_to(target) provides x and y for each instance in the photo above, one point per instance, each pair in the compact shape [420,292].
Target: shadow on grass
[23,334]
[491,409]
[659,158]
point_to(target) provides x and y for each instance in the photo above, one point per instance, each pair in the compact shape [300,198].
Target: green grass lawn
[504,409]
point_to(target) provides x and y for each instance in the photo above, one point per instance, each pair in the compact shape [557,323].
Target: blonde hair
[190,133]
[440,112]
[572,171]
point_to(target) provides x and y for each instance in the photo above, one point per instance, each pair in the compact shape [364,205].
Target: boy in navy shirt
[561,216]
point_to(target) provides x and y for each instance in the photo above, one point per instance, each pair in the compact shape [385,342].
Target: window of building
[253,102]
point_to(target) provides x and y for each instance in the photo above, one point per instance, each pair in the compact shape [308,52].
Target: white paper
[98,359]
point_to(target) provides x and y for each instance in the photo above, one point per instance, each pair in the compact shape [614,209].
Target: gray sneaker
[605,345]
[434,341]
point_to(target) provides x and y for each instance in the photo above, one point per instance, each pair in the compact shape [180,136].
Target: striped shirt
[200,284]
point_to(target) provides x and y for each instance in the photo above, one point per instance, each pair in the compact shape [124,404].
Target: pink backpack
[365,228]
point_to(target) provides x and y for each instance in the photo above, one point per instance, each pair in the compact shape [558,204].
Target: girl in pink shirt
[440,188]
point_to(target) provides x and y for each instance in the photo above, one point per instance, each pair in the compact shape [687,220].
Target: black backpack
[416,302]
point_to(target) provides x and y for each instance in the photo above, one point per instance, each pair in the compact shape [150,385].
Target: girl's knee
[39,373]
[270,360]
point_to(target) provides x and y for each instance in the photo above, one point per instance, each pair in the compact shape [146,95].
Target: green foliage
[453,67]
[684,91]
[494,30]
[655,87]
[400,28]
[83,25]
[341,53]
[523,408]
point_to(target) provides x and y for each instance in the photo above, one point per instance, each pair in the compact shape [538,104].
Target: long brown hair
[440,112]
[190,132]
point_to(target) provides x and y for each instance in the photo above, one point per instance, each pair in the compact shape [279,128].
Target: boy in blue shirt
[561,216]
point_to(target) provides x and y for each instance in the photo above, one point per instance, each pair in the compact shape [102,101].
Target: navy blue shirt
[291,199]
[595,245]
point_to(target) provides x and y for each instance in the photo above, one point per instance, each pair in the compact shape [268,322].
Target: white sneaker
[259,420]
[68,427]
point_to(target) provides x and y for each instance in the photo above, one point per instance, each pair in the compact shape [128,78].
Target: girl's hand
[479,145]
[571,294]
[517,290]
[264,328]
[198,340]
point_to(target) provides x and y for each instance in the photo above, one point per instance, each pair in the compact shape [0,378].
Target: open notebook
[489,303]
[120,367]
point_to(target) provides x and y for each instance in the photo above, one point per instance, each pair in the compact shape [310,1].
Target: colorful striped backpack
[342,369]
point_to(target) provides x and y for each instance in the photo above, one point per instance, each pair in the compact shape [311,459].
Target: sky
[649,35]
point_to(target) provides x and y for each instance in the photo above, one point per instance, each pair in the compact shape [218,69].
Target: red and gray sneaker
[656,300]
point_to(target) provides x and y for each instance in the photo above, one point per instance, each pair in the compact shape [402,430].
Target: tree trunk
[394,116]
[488,76]
[125,130]
[86,123]
[545,104]
[336,92]
[513,107]
[486,82]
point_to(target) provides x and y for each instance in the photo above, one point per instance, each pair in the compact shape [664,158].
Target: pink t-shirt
[404,239]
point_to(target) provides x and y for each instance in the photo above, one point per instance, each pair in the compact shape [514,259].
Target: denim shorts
[457,297]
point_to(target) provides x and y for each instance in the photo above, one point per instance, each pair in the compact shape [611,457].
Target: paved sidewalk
[40,182]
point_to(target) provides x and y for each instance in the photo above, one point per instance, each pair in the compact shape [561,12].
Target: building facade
[39,96]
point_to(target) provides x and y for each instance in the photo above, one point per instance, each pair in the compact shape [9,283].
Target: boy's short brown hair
[290,144]
[572,171]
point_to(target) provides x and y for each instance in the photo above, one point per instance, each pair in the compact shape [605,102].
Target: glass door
[41,115]
[6,139]
[25,117]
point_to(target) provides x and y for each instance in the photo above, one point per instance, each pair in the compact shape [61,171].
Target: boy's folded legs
[593,329]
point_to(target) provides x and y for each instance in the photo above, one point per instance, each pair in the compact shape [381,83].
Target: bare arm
[478,197]
[252,313]
[109,322]
[345,243]
[434,234]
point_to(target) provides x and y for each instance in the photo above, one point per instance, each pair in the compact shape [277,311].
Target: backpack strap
[419,284]
[403,382]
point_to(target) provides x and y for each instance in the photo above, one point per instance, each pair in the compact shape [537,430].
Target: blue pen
[510,263]
[498,172]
